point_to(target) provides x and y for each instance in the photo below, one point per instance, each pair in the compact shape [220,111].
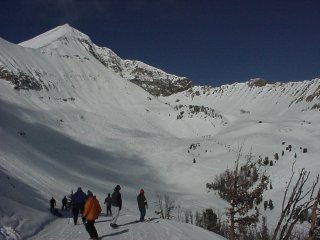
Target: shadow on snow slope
[45,159]
[47,148]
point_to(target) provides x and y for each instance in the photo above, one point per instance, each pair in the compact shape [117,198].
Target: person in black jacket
[52,204]
[117,203]
[108,202]
[64,203]
[142,204]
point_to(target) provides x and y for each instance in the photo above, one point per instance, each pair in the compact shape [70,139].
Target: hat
[141,191]
[79,189]
[90,193]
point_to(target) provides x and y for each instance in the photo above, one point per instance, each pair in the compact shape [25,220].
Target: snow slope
[88,126]
[129,228]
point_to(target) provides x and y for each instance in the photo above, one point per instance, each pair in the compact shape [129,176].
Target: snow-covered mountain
[153,80]
[293,96]
[75,114]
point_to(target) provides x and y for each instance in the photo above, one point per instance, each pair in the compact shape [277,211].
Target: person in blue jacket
[78,201]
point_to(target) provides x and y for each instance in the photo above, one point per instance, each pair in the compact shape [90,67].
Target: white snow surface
[129,228]
[90,127]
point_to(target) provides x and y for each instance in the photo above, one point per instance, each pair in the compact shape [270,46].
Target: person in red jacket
[92,210]
[142,204]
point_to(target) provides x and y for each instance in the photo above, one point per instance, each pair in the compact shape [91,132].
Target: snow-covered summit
[66,41]
[65,31]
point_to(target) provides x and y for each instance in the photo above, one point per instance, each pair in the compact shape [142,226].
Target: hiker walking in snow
[52,204]
[142,204]
[116,202]
[64,203]
[92,210]
[78,201]
[108,202]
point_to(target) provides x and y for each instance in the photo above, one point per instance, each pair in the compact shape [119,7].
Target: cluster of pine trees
[242,188]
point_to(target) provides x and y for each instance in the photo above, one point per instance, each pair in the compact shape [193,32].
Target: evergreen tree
[209,219]
[271,204]
[240,191]
[264,230]
[198,219]
[304,216]
[186,215]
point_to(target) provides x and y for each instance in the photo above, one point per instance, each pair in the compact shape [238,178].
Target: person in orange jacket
[92,210]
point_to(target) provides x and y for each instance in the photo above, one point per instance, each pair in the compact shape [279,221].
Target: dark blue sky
[212,42]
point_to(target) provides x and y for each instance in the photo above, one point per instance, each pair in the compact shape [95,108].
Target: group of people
[53,203]
[90,209]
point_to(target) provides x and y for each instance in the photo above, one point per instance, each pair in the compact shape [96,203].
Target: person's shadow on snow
[100,221]
[114,234]
[138,221]
[129,223]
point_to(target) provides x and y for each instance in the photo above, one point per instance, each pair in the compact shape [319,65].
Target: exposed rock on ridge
[151,79]
[259,90]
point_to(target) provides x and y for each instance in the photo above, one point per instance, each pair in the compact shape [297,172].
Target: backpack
[79,197]
[115,197]
[108,201]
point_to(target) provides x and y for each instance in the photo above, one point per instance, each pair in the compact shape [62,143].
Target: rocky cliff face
[19,79]
[153,80]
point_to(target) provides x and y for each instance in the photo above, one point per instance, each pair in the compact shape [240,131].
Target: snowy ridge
[292,96]
[153,80]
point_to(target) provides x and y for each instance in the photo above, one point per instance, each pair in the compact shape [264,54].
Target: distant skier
[92,210]
[116,202]
[142,204]
[52,204]
[78,201]
[64,203]
[108,202]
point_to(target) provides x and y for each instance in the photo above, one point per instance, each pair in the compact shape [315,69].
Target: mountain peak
[53,35]
[258,82]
